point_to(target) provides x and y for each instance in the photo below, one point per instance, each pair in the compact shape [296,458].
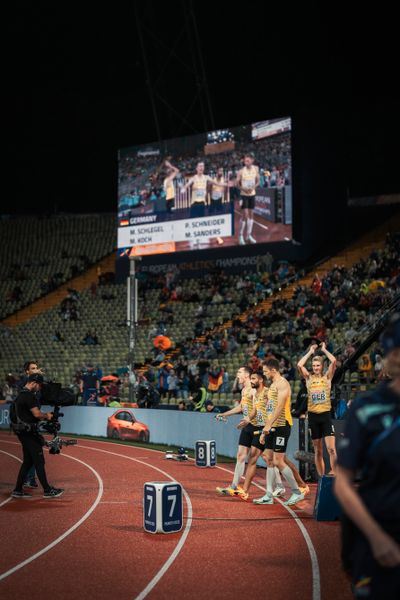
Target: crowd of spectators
[345,296]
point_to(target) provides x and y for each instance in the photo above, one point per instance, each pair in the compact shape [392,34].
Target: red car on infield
[122,425]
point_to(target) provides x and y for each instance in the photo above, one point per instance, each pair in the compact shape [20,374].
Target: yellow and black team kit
[199,189]
[319,406]
[169,193]
[217,194]
[278,437]
[247,404]
[260,402]
[248,187]
[199,195]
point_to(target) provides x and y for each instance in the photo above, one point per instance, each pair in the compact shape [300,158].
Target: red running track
[90,542]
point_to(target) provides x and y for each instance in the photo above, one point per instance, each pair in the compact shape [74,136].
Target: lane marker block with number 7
[162,507]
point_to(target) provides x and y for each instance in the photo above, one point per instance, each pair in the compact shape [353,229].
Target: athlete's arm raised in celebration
[332,360]
[302,362]
[174,170]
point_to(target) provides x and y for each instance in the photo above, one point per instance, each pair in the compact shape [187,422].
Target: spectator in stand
[365,367]
[210,407]
[378,367]
[172,384]
[57,337]
[183,385]
[316,285]
[181,405]
[90,339]
[199,397]
[89,386]
[9,392]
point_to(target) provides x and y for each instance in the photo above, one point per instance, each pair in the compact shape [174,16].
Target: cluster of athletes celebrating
[266,426]
[201,192]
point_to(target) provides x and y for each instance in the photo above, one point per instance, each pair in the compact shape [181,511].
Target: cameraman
[26,416]
[30,367]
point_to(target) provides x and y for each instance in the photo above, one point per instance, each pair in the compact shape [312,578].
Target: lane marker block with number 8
[205,453]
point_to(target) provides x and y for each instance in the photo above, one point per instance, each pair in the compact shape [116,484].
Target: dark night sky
[76,88]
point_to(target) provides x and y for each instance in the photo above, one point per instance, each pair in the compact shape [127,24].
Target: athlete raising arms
[169,189]
[319,405]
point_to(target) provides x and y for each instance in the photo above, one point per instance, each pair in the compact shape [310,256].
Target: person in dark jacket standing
[371,448]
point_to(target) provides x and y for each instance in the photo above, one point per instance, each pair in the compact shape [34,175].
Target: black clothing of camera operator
[28,412]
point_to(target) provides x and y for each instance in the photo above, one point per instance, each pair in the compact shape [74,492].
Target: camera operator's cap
[36,378]
[390,338]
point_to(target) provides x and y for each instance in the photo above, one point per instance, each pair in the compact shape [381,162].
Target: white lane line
[255,221]
[66,533]
[316,577]
[182,540]
[311,549]
[19,460]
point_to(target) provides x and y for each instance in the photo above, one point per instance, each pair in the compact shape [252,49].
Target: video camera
[54,395]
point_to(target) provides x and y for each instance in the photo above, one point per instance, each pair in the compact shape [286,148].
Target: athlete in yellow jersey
[276,432]
[246,435]
[218,186]
[260,414]
[199,186]
[248,179]
[169,188]
[319,405]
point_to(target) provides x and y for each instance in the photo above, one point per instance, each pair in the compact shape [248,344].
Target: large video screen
[222,188]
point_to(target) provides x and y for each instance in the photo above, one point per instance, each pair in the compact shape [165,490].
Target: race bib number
[199,194]
[280,441]
[260,420]
[248,184]
[270,407]
[318,397]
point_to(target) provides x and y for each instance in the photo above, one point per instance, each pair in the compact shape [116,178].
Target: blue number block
[213,454]
[326,507]
[205,453]
[172,513]
[162,507]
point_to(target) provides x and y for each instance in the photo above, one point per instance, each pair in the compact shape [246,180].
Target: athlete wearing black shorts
[247,425]
[319,405]
[248,202]
[248,179]
[278,438]
[247,435]
[321,425]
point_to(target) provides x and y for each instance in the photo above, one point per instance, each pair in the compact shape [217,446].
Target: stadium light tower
[132,319]
[168,47]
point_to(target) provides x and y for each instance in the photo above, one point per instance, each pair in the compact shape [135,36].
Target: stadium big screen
[222,188]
